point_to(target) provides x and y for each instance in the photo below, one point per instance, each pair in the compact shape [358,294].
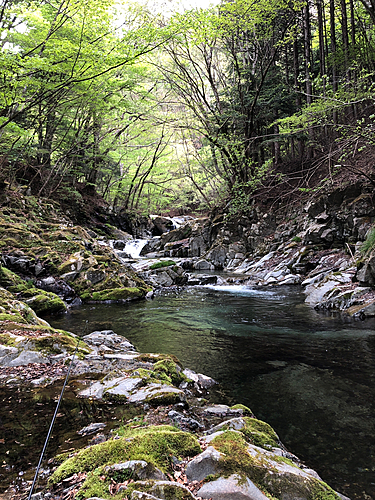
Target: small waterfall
[134,247]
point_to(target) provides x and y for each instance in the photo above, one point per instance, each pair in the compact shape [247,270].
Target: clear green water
[311,376]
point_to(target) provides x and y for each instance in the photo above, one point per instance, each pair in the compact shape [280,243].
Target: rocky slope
[49,262]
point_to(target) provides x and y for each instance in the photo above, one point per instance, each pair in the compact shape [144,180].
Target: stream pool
[311,376]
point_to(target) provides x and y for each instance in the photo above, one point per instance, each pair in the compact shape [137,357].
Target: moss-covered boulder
[40,301]
[25,338]
[155,386]
[156,445]
[244,466]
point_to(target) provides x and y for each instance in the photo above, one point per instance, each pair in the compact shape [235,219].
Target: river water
[311,376]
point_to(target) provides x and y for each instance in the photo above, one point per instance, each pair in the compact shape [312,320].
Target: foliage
[186,111]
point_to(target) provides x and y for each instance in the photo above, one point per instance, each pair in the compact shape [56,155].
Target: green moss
[296,239]
[163,263]
[40,301]
[260,433]
[246,411]
[369,243]
[15,317]
[287,485]
[45,302]
[321,491]
[170,370]
[236,459]
[154,444]
[8,340]
[10,280]
[59,341]
[261,470]
[163,398]
[117,294]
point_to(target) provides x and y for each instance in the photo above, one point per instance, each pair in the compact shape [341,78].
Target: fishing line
[53,419]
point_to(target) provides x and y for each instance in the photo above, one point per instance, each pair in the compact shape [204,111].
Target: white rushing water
[243,290]
[134,247]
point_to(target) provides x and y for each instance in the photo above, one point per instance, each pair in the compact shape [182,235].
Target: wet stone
[232,488]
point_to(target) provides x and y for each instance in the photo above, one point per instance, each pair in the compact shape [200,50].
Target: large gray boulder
[162,225]
[232,488]
[203,465]
[217,256]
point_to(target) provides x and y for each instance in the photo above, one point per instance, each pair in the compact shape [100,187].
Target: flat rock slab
[27,357]
[109,339]
[125,357]
[120,387]
[315,294]
[129,390]
[232,488]
[137,470]
[92,428]
[157,393]
[222,411]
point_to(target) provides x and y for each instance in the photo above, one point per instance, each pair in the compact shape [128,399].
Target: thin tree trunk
[333,52]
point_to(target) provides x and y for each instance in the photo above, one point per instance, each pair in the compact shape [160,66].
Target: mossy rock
[260,433]
[162,263]
[40,301]
[154,444]
[169,371]
[245,410]
[115,294]
[235,457]
[58,342]
[274,475]
[46,303]
[9,339]
[16,313]
[10,280]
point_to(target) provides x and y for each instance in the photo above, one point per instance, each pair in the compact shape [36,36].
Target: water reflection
[309,375]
